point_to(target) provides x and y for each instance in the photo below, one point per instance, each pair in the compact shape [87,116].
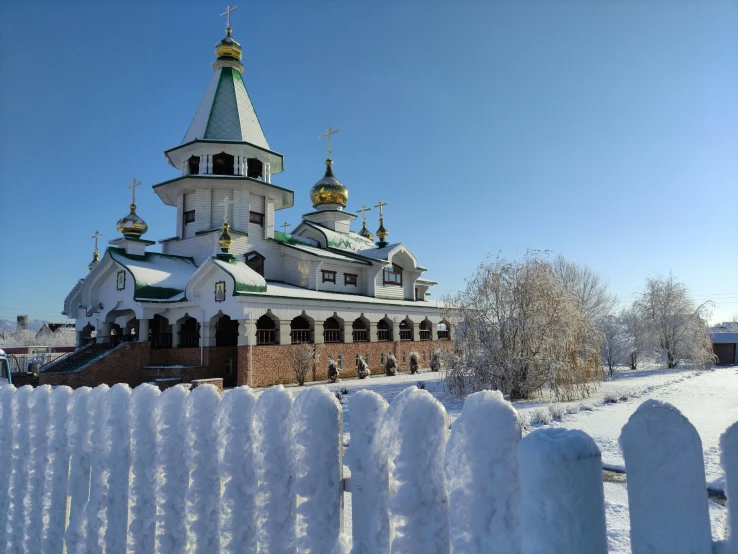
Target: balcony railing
[361,335]
[300,336]
[332,335]
[226,338]
[382,335]
[425,335]
[266,336]
[189,339]
[443,335]
[161,340]
[406,334]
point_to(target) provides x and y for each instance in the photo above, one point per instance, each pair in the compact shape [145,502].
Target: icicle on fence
[115,470]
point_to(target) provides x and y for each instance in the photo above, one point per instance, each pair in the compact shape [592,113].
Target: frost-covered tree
[586,287]
[616,344]
[519,329]
[676,327]
[304,358]
[637,330]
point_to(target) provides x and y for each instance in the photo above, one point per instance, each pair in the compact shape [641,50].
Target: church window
[254,168]
[329,276]
[255,261]
[256,217]
[194,165]
[189,217]
[381,358]
[340,361]
[222,164]
[350,279]
[393,275]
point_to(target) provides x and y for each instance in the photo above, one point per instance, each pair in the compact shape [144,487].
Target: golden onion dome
[366,233]
[228,48]
[132,226]
[329,190]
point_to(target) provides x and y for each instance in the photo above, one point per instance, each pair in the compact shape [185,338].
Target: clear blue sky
[605,131]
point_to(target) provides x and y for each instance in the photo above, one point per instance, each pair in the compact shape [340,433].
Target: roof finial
[133,186]
[364,231]
[381,232]
[327,134]
[132,226]
[227,13]
[226,202]
[285,225]
[95,255]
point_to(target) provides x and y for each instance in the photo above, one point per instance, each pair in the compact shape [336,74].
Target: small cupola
[95,254]
[132,227]
[382,233]
[228,48]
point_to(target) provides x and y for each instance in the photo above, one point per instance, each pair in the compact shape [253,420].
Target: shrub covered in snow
[333,370]
[557,411]
[391,365]
[540,416]
[362,369]
[414,357]
[436,359]
[304,358]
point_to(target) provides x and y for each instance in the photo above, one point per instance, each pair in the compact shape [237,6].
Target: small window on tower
[222,164]
[256,217]
[194,165]
[189,217]
[254,168]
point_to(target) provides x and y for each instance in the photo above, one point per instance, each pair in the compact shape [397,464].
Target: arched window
[300,330]
[194,165]
[266,330]
[255,261]
[254,168]
[393,275]
[222,164]
[332,330]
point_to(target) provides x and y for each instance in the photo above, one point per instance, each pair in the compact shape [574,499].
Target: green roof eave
[238,286]
[217,141]
[147,291]
[297,245]
[351,215]
[216,229]
[234,177]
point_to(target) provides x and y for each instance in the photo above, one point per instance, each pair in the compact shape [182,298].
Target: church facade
[230,293]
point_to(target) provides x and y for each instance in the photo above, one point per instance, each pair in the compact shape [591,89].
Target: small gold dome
[225,241]
[228,48]
[366,233]
[132,226]
[329,190]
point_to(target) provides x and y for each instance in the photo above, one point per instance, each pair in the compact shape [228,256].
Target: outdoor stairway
[77,359]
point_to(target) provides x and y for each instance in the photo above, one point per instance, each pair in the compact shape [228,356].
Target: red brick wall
[273,364]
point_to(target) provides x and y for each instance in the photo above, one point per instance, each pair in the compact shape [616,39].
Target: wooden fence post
[562,498]
[666,482]
[482,476]
[729,461]
[369,484]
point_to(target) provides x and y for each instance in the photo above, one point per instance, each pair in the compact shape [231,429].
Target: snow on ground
[709,399]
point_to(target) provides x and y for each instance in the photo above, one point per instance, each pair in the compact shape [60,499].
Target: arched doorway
[426,330]
[226,332]
[189,333]
[160,332]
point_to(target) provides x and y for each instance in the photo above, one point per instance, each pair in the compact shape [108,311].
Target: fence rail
[110,469]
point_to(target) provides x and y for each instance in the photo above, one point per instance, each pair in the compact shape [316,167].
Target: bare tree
[586,287]
[676,327]
[637,329]
[304,358]
[519,330]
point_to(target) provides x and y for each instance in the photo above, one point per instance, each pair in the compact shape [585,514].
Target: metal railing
[189,339]
[161,340]
[406,334]
[361,335]
[300,336]
[425,335]
[265,336]
[382,335]
[226,338]
[332,335]
[443,335]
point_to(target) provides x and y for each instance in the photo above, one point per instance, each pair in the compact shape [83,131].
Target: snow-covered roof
[245,279]
[379,253]
[283,290]
[351,241]
[157,276]
[226,112]
[294,239]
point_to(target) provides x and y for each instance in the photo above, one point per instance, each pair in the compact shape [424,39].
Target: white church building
[229,293]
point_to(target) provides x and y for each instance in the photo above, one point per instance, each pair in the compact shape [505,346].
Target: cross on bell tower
[381,232]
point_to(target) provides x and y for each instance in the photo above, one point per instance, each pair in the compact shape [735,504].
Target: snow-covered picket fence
[115,470]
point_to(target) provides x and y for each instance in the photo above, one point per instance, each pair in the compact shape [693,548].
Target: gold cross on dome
[363,215]
[225,204]
[327,134]
[96,236]
[285,225]
[227,13]
[133,186]
[380,206]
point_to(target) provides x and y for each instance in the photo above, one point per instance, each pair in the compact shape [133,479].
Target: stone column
[203,164]
[318,337]
[434,332]
[284,331]
[207,334]
[348,334]
[267,173]
[244,327]
[176,330]
[416,332]
[103,334]
[209,159]
[372,332]
[143,330]
[236,165]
